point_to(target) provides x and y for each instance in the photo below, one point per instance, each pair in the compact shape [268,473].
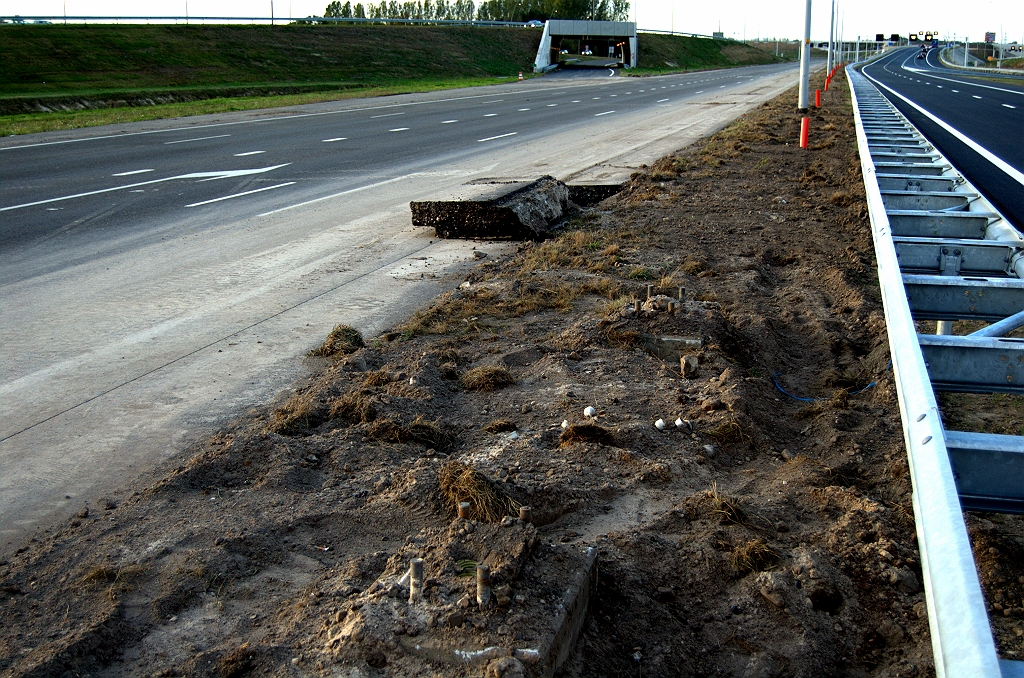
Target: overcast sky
[738,18]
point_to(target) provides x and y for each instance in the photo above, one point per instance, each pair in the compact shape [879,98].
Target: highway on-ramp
[158,278]
[975,121]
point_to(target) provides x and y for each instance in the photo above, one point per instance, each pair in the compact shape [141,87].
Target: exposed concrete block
[505,210]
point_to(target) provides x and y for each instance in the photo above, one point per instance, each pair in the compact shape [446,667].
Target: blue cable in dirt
[786,393]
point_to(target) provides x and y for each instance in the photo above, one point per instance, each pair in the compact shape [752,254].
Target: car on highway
[533,23]
[586,52]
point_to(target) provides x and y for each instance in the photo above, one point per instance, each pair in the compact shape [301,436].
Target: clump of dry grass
[356,407]
[388,431]
[729,431]
[431,433]
[752,556]
[460,482]
[694,265]
[585,433]
[342,340]
[377,378]
[109,574]
[727,508]
[302,412]
[841,198]
[487,378]
[622,339]
[500,425]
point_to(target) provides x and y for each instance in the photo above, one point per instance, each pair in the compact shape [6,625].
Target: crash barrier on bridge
[945,254]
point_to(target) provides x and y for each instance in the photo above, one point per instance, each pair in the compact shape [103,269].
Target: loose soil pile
[768,533]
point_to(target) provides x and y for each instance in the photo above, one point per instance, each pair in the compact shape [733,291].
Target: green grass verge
[28,123]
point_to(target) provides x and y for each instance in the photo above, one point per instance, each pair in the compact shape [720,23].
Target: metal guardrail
[15,19]
[944,254]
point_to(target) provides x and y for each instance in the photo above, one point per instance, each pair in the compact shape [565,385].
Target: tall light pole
[831,35]
[805,60]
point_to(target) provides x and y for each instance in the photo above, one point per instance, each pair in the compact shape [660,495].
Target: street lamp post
[805,60]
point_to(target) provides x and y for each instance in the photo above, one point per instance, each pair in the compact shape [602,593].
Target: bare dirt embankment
[765,536]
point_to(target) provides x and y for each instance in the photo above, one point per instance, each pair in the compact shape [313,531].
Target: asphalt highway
[977,123]
[143,186]
[157,279]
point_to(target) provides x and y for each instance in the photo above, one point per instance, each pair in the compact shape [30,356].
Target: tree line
[488,10]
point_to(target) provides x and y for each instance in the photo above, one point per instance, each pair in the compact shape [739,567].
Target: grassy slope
[658,52]
[41,60]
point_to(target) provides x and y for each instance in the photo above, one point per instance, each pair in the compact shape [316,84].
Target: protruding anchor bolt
[464,510]
[526,514]
[650,291]
[483,586]
[415,579]
[636,305]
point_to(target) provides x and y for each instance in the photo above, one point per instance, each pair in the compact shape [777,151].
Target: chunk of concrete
[496,210]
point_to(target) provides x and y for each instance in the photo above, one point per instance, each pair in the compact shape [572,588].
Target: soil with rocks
[736,502]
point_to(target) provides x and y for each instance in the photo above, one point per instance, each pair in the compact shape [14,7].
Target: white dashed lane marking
[185,141]
[238,195]
[327,141]
[500,136]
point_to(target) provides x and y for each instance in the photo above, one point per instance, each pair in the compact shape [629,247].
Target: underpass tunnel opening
[582,44]
[585,51]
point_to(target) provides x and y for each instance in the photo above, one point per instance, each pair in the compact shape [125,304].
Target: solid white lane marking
[448,122]
[194,175]
[185,141]
[336,195]
[597,115]
[661,101]
[239,195]
[327,141]
[1009,106]
[490,115]
[386,115]
[500,136]
[1014,173]
[493,101]
[242,155]
[127,174]
[398,129]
